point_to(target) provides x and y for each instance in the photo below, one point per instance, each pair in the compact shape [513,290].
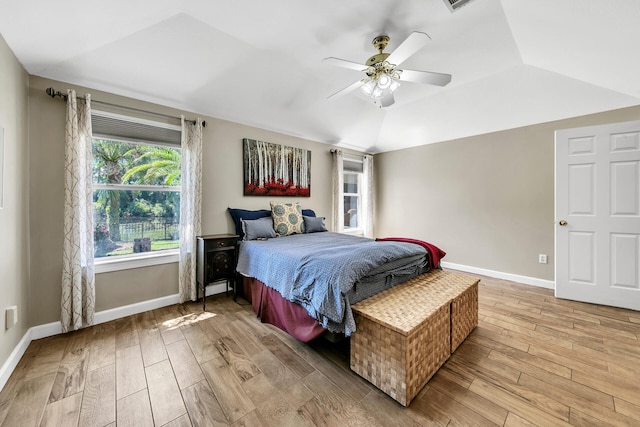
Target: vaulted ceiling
[259,63]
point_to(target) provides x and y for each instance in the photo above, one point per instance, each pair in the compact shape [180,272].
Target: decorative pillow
[287,218]
[254,229]
[239,214]
[313,224]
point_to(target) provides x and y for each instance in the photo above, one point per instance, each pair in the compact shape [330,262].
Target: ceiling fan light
[367,88]
[377,93]
[394,85]
[384,81]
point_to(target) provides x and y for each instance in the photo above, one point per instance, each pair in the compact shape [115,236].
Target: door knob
[562,223]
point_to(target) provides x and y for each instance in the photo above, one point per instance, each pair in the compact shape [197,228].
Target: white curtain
[337,171]
[368,192]
[190,207]
[78,278]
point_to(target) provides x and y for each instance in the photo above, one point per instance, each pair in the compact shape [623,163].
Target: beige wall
[487,200]
[222,188]
[14,225]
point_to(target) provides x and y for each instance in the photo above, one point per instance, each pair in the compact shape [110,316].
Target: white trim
[55,328]
[139,307]
[12,361]
[125,262]
[216,289]
[533,281]
[46,330]
[355,231]
[132,187]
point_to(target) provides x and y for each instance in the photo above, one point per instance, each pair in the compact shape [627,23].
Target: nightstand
[216,260]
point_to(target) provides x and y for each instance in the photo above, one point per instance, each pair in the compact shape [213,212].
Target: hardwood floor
[533,360]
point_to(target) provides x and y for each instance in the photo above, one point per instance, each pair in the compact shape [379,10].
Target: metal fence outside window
[156,229]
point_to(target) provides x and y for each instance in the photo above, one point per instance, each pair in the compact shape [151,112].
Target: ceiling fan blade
[346,90]
[428,77]
[408,47]
[387,99]
[337,62]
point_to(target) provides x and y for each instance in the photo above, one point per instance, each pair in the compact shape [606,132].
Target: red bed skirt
[271,308]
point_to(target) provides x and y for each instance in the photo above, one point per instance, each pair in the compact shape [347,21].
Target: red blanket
[435,253]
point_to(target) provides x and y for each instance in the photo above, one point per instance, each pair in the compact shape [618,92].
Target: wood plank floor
[533,360]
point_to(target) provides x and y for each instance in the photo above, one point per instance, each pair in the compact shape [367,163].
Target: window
[352,194]
[136,186]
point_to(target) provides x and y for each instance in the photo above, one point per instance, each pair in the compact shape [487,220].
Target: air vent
[454,5]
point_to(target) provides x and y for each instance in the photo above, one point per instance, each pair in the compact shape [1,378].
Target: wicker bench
[405,334]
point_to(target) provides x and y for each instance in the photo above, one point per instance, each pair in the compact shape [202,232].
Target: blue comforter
[317,270]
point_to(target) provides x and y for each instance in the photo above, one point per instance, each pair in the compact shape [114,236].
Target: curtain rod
[333,150]
[53,93]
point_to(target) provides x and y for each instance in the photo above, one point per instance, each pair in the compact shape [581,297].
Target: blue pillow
[255,229]
[239,214]
[313,224]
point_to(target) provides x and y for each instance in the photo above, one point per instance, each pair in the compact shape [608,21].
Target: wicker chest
[406,333]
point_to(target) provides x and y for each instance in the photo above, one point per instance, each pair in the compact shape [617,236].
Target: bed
[305,283]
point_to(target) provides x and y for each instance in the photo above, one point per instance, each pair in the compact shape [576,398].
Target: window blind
[131,129]
[352,165]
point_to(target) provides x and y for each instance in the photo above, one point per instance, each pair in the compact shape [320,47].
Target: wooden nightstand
[216,260]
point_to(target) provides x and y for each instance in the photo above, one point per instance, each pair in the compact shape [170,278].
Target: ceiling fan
[382,75]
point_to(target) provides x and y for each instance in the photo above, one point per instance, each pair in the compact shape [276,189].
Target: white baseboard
[14,358]
[55,328]
[139,307]
[533,281]
[216,289]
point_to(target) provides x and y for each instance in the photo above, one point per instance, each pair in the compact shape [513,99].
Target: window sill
[125,262]
[354,231]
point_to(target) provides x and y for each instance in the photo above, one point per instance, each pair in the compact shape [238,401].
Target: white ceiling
[514,62]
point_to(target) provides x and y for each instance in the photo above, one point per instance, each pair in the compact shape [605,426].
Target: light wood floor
[533,360]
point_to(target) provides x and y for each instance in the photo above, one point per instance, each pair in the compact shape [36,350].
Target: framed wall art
[275,169]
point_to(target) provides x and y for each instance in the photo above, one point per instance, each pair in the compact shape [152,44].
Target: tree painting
[276,170]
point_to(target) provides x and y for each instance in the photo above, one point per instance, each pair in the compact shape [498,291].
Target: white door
[597,216]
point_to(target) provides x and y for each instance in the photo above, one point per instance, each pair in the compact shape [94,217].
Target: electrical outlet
[542,258]
[11,317]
